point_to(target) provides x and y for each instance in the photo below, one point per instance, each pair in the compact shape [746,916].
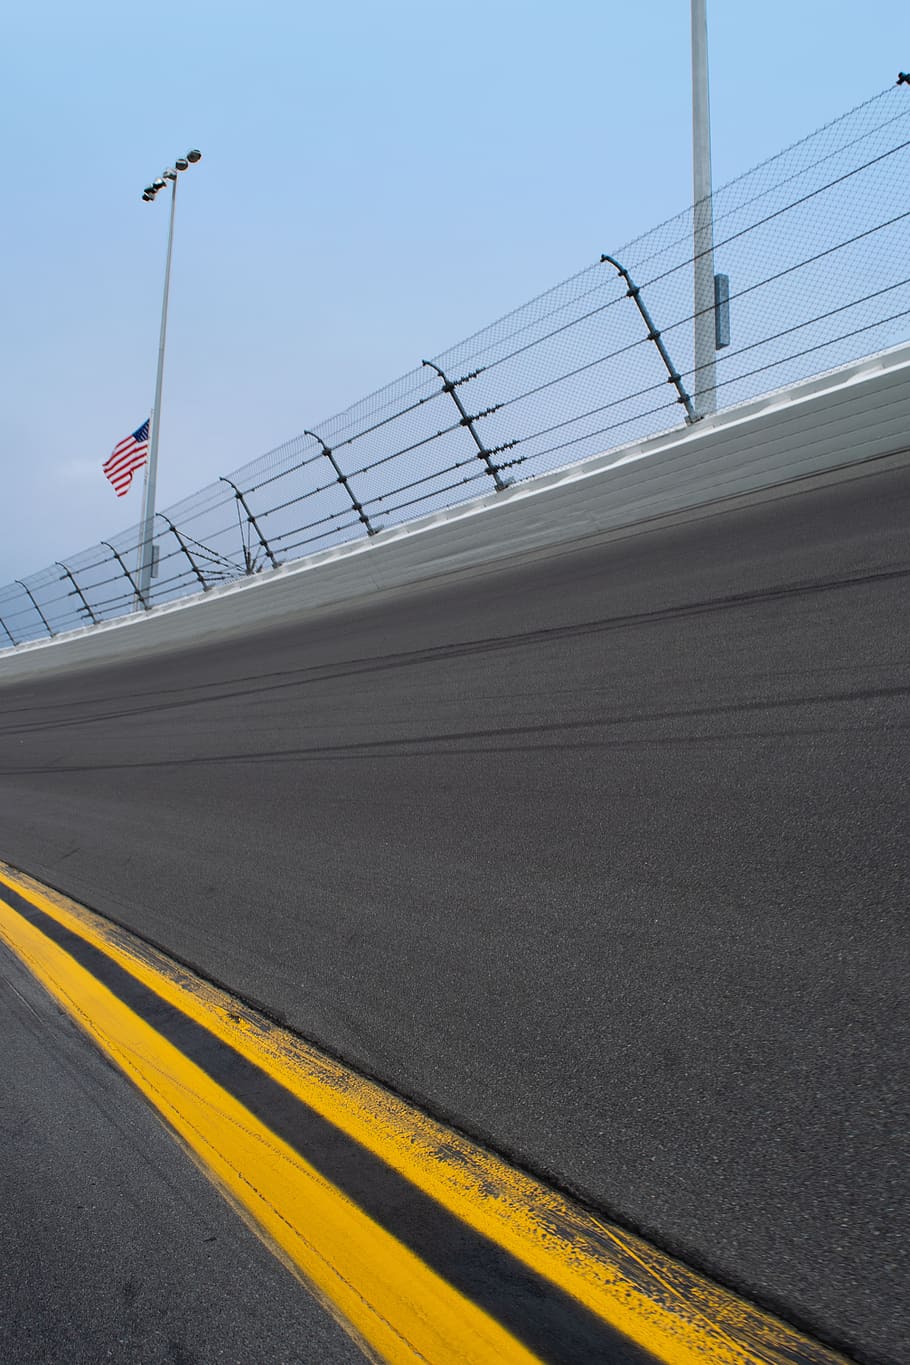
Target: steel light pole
[704,384]
[151,477]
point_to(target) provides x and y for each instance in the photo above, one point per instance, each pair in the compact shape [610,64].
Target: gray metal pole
[185,548]
[148,515]
[252,520]
[703,217]
[139,602]
[345,483]
[77,592]
[675,378]
[34,602]
[466,421]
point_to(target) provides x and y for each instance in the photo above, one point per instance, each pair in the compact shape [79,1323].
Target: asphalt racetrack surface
[115,1247]
[601,855]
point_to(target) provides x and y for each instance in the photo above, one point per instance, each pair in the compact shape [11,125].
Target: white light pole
[705,394]
[151,478]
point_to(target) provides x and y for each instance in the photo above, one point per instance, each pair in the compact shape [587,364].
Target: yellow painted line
[401,1309]
[395,1303]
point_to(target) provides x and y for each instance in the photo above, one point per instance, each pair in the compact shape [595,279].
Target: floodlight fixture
[170,175]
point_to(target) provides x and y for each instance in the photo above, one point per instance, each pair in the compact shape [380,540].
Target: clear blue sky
[377,181]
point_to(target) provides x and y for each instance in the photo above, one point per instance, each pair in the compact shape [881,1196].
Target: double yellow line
[424,1245]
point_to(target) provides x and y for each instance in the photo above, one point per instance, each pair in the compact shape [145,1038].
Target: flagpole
[148,516]
[138,602]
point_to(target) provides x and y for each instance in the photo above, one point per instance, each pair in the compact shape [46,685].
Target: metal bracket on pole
[255,525]
[673,375]
[8,632]
[345,482]
[77,591]
[132,582]
[31,598]
[182,543]
[450,386]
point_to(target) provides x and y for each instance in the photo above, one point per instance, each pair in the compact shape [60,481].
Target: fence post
[31,598]
[255,525]
[78,591]
[344,481]
[8,632]
[182,543]
[674,377]
[132,582]
[448,386]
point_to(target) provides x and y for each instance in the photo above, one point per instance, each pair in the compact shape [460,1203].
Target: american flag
[130,455]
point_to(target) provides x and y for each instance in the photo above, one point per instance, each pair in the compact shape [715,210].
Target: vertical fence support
[255,525]
[130,579]
[674,377]
[448,386]
[183,545]
[344,481]
[31,598]
[9,633]
[77,591]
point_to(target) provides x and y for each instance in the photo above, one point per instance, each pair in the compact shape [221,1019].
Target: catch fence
[815,246]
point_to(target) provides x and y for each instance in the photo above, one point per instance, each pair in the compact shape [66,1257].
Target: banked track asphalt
[601,856]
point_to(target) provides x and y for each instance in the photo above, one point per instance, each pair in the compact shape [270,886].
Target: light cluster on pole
[181,164]
[146,545]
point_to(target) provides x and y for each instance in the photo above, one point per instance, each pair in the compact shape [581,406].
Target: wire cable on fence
[552,367]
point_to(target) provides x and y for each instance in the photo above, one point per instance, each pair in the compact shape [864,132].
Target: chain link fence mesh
[815,243]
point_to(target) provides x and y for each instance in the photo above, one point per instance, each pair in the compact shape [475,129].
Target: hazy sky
[377,181]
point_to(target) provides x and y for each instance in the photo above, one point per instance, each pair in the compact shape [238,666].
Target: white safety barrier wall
[851,416]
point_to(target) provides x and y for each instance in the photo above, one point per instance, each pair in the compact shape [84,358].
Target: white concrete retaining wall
[858,413]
